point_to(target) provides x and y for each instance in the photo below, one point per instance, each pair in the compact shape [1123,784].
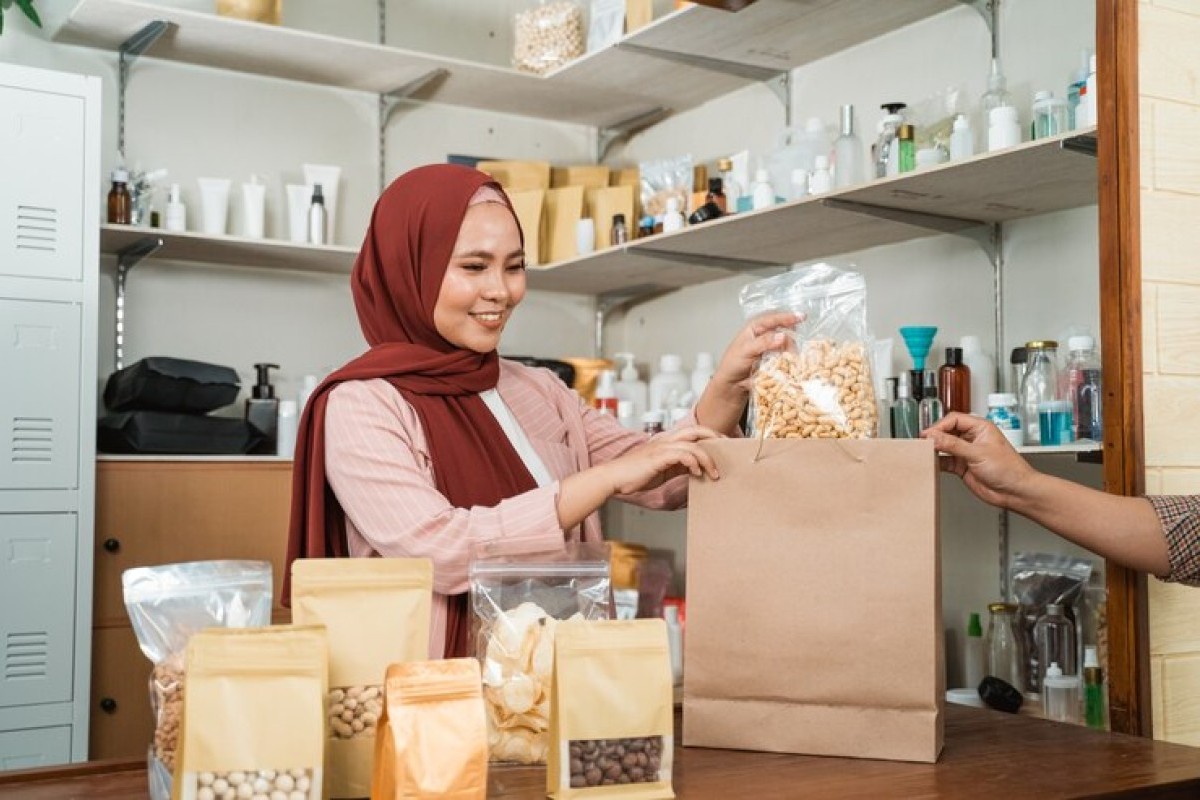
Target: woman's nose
[495,287]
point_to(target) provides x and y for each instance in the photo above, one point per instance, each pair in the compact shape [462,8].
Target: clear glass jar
[1038,385]
[1004,645]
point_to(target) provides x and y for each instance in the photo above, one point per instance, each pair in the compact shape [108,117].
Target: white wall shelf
[710,52]
[232,250]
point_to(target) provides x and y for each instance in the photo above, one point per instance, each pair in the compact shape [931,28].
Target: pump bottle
[262,408]
[605,398]
[176,221]
[669,384]
[904,411]
[930,409]
[631,389]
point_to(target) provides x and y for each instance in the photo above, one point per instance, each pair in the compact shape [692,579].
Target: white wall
[197,121]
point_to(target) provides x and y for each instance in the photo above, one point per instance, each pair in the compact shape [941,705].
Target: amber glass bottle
[120,204]
[954,382]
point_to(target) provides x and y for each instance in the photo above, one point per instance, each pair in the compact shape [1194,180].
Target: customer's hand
[724,398]
[977,452]
[667,455]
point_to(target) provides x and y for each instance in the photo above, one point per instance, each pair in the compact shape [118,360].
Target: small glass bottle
[930,409]
[847,152]
[120,202]
[1054,638]
[1017,361]
[904,412]
[884,150]
[1083,387]
[716,194]
[1038,385]
[1004,645]
[645,226]
[954,382]
[1094,712]
[906,137]
[729,185]
[619,234]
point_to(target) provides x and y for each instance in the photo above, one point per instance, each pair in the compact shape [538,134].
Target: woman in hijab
[431,445]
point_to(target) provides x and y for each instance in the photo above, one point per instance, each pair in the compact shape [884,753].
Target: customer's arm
[1125,529]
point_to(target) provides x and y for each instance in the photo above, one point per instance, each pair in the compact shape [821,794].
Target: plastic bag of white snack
[166,605]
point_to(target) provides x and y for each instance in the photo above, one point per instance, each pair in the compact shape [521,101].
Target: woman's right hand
[668,455]
[977,452]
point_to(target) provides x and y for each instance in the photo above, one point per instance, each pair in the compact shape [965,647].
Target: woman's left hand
[725,396]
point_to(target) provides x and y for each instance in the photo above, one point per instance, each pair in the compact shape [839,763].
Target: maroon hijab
[395,283]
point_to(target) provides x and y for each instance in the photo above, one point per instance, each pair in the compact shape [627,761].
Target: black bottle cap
[1019,356]
[263,390]
[317,196]
[1000,695]
[954,356]
[618,219]
[704,213]
[916,380]
[715,186]
[893,108]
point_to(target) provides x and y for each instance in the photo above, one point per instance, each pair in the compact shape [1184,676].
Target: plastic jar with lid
[1005,415]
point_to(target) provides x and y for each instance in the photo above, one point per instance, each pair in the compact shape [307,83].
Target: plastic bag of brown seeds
[166,605]
[612,719]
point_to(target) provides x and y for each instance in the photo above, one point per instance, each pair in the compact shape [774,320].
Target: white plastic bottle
[673,218]
[669,384]
[701,374]
[176,220]
[287,418]
[762,195]
[799,183]
[631,389]
[1004,129]
[962,139]
[821,181]
[983,373]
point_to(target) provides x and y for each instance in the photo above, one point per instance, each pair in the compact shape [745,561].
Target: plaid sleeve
[1180,518]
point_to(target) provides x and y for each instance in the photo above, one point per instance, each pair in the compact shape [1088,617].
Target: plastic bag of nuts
[168,604]
[820,385]
[547,36]
[613,716]
[518,602]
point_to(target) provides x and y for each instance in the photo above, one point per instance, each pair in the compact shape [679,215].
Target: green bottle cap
[973,626]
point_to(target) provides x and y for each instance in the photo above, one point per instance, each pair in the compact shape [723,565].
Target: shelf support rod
[609,135]
[781,87]
[990,11]
[130,49]
[128,258]
[389,102]
[609,302]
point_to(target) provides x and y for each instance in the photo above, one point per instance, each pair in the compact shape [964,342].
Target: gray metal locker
[50,201]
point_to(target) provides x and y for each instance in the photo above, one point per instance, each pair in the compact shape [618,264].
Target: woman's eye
[475,267]
[518,267]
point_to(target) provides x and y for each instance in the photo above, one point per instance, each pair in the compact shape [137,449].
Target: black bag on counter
[160,383]
[562,369]
[163,433]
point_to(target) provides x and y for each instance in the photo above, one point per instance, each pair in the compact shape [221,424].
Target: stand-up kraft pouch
[253,714]
[814,600]
[376,613]
[432,740]
[612,715]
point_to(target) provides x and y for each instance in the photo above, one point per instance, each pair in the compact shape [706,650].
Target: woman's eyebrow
[487,254]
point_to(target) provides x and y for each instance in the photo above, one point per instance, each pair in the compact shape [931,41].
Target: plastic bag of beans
[819,386]
[168,604]
[547,35]
[518,602]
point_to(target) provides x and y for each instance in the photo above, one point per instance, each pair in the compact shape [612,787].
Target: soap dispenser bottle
[885,157]
[262,408]
[176,211]
[631,389]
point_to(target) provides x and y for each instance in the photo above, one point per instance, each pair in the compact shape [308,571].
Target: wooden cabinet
[152,512]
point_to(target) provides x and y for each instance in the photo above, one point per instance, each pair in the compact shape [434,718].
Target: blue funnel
[918,339]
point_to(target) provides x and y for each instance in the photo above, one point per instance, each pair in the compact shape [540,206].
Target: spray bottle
[262,407]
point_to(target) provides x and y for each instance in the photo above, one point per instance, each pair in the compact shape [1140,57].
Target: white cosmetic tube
[214,205]
[328,176]
[299,198]
[254,200]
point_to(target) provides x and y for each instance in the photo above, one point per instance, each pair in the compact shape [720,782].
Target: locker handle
[112,545]
[108,705]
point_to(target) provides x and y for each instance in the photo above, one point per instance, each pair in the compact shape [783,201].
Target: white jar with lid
[1003,413]
[1004,128]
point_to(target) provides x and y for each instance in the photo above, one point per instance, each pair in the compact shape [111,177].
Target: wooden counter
[987,755]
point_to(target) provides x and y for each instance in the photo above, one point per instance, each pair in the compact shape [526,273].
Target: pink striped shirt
[377,462]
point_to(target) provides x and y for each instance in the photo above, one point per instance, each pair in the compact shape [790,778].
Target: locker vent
[37,228]
[32,439]
[26,655]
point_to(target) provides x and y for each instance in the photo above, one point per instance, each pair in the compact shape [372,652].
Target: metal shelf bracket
[609,302]
[609,135]
[990,11]
[131,48]
[128,258]
[389,102]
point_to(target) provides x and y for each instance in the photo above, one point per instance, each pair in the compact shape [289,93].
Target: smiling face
[484,281]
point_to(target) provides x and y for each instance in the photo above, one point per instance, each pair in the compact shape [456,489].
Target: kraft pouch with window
[254,714]
[613,715]
[376,612]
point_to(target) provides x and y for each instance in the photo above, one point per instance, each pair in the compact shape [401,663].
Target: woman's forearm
[1124,529]
[582,493]
[720,407]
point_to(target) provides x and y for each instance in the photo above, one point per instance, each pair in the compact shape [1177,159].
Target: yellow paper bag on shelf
[564,209]
[630,176]
[529,207]
[585,175]
[602,204]
[638,14]
[518,176]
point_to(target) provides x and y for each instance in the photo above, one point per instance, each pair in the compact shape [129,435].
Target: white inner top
[520,441]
